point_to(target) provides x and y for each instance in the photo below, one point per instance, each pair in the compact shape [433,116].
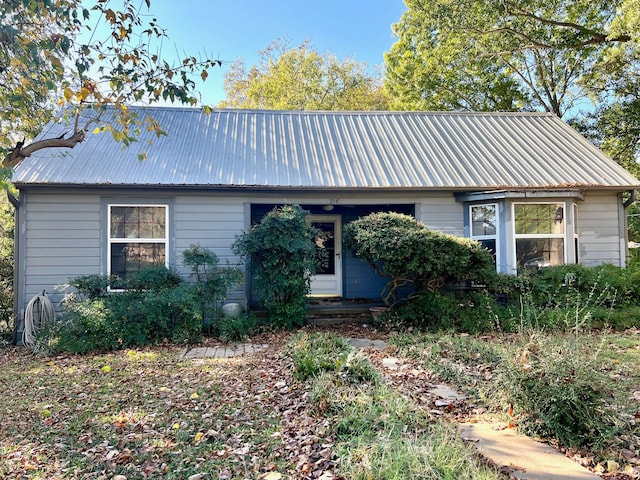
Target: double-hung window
[137,238]
[539,234]
[484,226]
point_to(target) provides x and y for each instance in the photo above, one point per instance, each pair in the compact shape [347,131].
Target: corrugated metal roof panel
[299,149]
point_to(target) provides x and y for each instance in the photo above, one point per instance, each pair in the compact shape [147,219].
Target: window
[484,226]
[137,238]
[539,234]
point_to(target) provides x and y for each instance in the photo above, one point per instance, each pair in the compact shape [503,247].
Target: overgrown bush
[156,306]
[558,390]
[567,297]
[464,311]
[212,283]
[403,249]
[556,383]
[283,256]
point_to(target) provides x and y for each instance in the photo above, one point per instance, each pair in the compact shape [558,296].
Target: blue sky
[229,29]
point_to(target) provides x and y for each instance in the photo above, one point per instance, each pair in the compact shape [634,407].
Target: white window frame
[564,235]
[495,236]
[164,240]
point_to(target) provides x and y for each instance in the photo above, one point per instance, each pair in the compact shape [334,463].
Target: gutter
[631,199]
[13,200]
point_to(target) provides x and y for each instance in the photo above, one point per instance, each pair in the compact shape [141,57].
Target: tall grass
[381,434]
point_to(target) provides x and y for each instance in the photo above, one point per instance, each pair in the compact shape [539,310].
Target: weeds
[558,389]
[381,433]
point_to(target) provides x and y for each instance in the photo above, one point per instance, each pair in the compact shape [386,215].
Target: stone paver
[366,343]
[527,458]
[223,351]
[447,393]
[391,363]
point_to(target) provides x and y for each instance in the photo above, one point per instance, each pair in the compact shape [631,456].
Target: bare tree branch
[18,154]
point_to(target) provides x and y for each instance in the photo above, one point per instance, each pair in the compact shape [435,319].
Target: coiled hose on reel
[38,313]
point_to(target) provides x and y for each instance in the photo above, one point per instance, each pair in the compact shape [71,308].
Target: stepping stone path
[366,343]
[522,457]
[222,351]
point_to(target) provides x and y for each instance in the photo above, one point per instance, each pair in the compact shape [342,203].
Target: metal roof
[343,150]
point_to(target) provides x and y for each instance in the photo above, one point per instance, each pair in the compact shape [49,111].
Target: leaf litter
[154,415]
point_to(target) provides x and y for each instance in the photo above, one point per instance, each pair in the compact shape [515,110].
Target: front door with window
[328,281]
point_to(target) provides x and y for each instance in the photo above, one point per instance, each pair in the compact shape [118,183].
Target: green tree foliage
[6,265]
[78,56]
[403,249]
[483,55]
[302,78]
[283,257]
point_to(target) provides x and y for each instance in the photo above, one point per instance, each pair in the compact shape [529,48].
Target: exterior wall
[213,222]
[63,235]
[59,238]
[601,229]
[441,212]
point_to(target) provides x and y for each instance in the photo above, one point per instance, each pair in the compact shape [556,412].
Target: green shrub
[84,326]
[159,307]
[152,278]
[558,390]
[91,286]
[236,329]
[211,282]
[283,257]
[401,248]
[155,316]
[463,311]
[564,298]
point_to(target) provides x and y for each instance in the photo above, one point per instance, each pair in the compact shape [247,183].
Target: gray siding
[599,230]
[60,239]
[442,213]
[213,222]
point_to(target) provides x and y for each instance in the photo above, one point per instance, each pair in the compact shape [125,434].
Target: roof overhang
[517,195]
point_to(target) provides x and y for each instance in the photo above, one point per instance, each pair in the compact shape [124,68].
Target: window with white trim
[137,238]
[539,234]
[484,226]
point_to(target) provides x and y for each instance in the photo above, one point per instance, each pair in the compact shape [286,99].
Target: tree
[59,55]
[301,78]
[6,265]
[503,55]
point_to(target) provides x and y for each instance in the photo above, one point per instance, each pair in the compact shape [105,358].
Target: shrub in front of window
[403,249]
[563,296]
[283,257]
[156,306]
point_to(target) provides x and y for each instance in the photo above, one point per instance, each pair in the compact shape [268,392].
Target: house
[526,185]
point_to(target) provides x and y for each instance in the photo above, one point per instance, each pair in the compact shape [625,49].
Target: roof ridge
[337,112]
